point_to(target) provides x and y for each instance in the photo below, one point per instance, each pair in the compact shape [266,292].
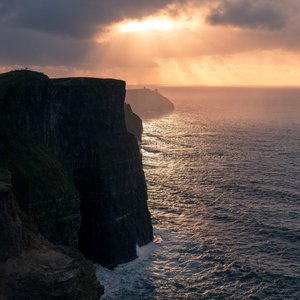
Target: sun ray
[147,25]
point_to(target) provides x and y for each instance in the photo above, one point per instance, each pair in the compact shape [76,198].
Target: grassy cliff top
[88,80]
[14,77]
[18,76]
[21,75]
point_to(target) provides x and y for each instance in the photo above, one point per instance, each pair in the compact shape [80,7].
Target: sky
[166,42]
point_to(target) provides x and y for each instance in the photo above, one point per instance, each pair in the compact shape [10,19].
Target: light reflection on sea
[224,193]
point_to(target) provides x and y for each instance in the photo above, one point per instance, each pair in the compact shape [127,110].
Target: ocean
[223,176]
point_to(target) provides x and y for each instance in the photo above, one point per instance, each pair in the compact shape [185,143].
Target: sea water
[223,176]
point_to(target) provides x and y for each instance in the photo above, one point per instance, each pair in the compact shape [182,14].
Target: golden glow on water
[223,198]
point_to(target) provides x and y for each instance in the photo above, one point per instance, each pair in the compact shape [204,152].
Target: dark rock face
[10,225]
[148,103]
[32,268]
[77,126]
[133,122]
[50,274]
[43,187]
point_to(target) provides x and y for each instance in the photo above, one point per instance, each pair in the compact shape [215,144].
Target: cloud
[75,18]
[271,15]
[63,34]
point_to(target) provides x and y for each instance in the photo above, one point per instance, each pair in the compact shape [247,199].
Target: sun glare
[147,25]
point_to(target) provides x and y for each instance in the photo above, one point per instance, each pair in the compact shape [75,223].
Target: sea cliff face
[133,122]
[75,169]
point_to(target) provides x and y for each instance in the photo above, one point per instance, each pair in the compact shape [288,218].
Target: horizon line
[151,85]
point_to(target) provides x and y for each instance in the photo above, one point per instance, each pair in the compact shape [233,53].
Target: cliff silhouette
[76,175]
[148,103]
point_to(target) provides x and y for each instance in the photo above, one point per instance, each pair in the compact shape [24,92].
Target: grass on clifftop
[15,77]
[38,173]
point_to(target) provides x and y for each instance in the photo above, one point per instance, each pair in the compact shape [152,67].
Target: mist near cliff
[249,103]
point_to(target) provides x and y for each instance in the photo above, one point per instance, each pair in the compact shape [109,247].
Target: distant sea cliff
[148,103]
[71,177]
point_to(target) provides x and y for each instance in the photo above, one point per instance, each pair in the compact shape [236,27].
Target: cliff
[148,103]
[133,122]
[32,268]
[75,169]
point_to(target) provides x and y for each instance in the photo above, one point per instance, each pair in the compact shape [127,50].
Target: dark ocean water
[223,175]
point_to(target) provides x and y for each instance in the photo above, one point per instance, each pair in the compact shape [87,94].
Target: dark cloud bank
[250,13]
[75,18]
[56,32]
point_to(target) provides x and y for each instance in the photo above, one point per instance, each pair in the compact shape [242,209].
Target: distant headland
[148,103]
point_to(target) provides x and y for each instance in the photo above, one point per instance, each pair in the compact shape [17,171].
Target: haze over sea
[223,175]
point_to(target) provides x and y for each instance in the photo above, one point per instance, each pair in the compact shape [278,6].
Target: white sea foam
[126,278]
